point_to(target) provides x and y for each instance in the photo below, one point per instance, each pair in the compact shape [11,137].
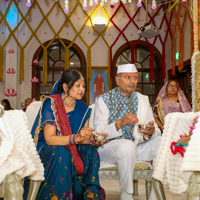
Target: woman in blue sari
[65,143]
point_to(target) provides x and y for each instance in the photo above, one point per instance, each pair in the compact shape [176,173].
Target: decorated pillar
[199,18]
[196,60]
[11,58]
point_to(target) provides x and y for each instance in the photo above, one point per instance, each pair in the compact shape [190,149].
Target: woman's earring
[64,96]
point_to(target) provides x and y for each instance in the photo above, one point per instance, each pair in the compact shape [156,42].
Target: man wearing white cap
[117,113]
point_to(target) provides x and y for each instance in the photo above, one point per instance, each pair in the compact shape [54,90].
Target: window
[142,62]
[55,64]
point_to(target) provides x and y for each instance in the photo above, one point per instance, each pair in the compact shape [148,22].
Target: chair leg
[148,189]
[135,187]
[33,189]
[193,189]
[13,187]
[158,186]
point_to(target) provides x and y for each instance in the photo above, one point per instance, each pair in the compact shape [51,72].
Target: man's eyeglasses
[172,86]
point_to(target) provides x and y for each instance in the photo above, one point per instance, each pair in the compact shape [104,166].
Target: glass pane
[74,61]
[127,54]
[62,53]
[139,88]
[57,75]
[45,89]
[50,62]
[141,54]
[49,76]
[138,65]
[149,89]
[139,77]
[146,77]
[146,63]
[71,52]
[121,60]
[59,64]
[40,62]
[152,100]
[53,52]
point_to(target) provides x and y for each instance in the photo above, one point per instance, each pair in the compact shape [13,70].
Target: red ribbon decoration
[175,149]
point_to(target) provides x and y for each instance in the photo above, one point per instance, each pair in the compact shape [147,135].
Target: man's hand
[129,118]
[148,132]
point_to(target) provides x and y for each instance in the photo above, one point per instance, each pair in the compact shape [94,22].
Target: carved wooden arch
[145,46]
[40,49]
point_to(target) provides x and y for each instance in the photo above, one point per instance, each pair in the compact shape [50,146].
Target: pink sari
[163,106]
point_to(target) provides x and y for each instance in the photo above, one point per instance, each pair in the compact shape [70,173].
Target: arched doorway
[142,62]
[56,62]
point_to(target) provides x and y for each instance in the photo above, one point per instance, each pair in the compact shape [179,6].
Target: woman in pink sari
[170,99]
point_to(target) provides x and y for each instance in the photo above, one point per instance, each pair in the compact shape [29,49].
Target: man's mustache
[131,84]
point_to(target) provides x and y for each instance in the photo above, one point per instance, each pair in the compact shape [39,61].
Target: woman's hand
[84,134]
[96,142]
[158,122]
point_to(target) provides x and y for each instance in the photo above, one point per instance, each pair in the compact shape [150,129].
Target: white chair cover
[32,111]
[174,169]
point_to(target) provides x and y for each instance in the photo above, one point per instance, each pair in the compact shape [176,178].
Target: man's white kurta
[125,152]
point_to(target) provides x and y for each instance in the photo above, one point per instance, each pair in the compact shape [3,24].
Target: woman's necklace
[173,99]
[70,106]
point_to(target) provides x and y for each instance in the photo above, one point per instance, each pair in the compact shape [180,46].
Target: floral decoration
[35,61]
[33,100]
[64,194]
[102,192]
[71,194]
[34,80]
[11,92]
[193,62]
[95,3]
[11,71]
[11,51]
[45,185]
[62,179]
[90,195]
[60,159]
[28,4]
[54,197]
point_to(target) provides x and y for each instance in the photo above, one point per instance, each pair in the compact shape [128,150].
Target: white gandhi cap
[127,68]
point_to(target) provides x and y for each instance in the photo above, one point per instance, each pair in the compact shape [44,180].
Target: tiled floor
[113,191]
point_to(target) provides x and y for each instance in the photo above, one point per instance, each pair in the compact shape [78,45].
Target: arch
[140,43]
[75,46]
[35,67]
[157,58]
